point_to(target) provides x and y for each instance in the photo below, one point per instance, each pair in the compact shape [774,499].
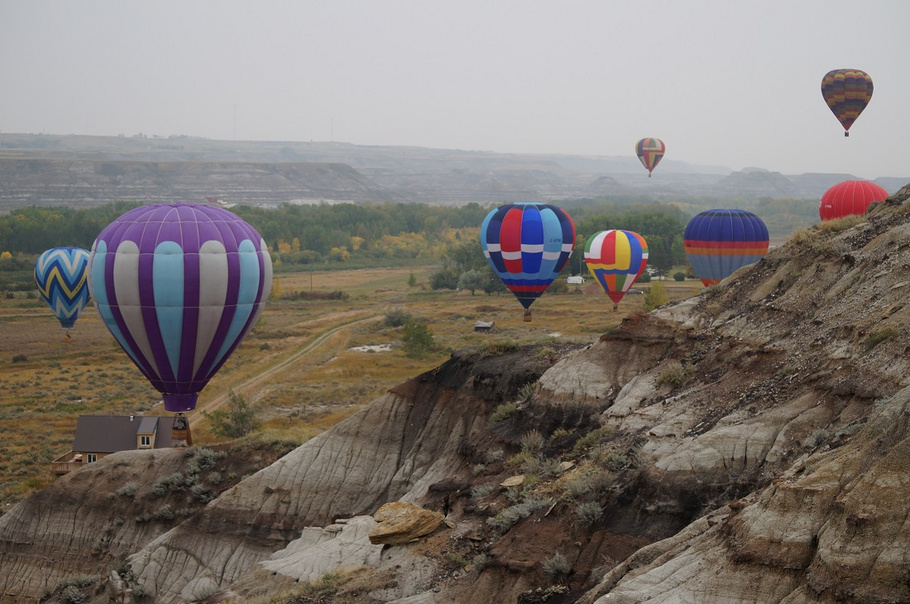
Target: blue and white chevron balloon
[62,280]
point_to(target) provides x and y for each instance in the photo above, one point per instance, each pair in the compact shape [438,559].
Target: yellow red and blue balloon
[616,259]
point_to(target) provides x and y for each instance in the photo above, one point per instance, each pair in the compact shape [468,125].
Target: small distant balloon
[847,92]
[179,286]
[527,244]
[650,151]
[61,277]
[616,259]
[719,242]
[848,198]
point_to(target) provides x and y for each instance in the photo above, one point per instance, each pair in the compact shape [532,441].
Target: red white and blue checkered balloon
[179,286]
[527,244]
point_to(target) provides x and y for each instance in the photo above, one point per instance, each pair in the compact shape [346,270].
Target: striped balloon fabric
[847,92]
[848,198]
[616,259]
[60,274]
[650,151]
[527,244]
[719,242]
[179,286]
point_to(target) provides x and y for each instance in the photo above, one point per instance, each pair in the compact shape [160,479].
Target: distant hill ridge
[87,182]
[92,170]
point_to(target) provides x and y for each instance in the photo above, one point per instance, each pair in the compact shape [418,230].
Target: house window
[91,458]
[145,441]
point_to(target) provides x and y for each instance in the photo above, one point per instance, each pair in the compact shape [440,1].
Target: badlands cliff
[747,445]
[87,182]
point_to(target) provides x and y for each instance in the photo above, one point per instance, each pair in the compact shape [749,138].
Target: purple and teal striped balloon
[179,286]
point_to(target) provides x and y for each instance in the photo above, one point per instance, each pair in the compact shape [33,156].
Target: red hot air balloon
[847,92]
[650,151]
[848,198]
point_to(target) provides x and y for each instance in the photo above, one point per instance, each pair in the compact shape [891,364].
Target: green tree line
[398,232]
[31,230]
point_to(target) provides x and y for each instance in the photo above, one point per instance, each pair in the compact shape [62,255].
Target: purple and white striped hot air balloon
[179,286]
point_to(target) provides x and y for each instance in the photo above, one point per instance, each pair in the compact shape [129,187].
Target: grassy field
[296,366]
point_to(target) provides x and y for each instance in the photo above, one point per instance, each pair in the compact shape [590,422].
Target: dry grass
[314,379]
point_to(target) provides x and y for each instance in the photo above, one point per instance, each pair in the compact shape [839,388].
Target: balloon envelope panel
[179,286]
[616,259]
[848,198]
[719,242]
[62,280]
[527,244]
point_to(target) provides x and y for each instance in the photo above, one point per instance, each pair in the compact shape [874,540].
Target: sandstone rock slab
[401,522]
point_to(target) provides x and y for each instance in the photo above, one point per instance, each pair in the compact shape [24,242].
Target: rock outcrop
[396,448]
[95,516]
[831,529]
[400,522]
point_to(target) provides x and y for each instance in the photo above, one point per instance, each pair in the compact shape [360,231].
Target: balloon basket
[180,432]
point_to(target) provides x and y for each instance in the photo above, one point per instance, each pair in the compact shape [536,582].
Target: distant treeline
[346,232]
[32,230]
[782,215]
[398,232]
[314,233]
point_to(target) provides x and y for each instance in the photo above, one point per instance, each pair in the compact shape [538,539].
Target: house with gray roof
[100,435]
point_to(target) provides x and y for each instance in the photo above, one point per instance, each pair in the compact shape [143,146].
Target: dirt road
[252,384]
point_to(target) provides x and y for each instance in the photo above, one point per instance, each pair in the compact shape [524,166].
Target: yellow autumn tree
[277,290]
[340,253]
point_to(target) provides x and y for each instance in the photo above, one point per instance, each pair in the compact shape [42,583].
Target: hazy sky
[722,82]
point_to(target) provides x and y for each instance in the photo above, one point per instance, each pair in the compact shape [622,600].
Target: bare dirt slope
[748,445]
